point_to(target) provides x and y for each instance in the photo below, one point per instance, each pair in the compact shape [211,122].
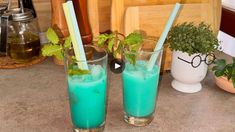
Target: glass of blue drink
[87,89]
[140,87]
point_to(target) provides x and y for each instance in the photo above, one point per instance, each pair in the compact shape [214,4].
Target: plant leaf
[233,81]
[190,38]
[131,43]
[219,65]
[219,73]
[78,72]
[102,39]
[131,58]
[67,43]
[50,50]
[110,44]
[118,50]
[233,72]
[133,38]
[52,36]
[59,55]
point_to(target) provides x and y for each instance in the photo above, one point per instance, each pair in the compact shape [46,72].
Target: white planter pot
[186,77]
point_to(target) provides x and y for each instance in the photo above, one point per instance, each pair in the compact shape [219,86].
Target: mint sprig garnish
[117,44]
[72,72]
[56,47]
[73,69]
[52,36]
[52,50]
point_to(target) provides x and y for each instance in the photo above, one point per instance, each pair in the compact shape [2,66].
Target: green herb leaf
[233,80]
[102,39]
[133,39]
[50,50]
[219,73]
[118,50]
[78,72]
[52,36]
[131,58]
[131,43]
[59,55]
[110,44]
[221,68]
[220,65]
[67,43]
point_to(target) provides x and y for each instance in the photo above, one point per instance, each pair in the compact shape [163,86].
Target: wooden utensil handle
[83,21]
[58,19]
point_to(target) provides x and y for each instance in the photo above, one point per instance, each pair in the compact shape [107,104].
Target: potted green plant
[55,46]
[192,47]
[225,74]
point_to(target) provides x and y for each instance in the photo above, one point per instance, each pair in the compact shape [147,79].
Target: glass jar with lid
[22,33]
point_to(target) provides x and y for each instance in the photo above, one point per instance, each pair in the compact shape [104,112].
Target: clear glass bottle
[23,43]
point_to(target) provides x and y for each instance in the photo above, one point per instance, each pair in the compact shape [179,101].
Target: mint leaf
[74,70]
[133,38]
[102,39]
[50,50]
[131,43]
[118,50]
[59,55]
[67,43]
[110,44]
[52,36]
[131,58]
[135,48]
[78,72]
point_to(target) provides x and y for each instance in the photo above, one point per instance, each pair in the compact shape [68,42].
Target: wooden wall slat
[43,9]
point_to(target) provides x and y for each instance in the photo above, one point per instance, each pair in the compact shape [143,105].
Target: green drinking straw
[162,39]
[75,34]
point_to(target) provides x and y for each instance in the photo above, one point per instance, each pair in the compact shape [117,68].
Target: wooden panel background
[43,9]
[104,14]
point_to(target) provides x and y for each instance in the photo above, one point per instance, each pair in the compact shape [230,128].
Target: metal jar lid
[17,15]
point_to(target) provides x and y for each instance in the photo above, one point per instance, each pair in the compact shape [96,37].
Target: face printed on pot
[197,60]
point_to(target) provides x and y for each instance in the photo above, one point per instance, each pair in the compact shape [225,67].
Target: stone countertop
[34,99]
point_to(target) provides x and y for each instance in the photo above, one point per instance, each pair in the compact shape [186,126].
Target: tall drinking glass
[140,87]
[87,89]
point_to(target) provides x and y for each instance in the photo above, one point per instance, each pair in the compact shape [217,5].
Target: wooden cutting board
[152,19]
[119,7]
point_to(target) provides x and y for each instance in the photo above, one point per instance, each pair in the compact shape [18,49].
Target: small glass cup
[140,87]
[87,92]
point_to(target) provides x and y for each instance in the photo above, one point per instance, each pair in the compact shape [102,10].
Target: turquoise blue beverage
[139,89]
[87,94]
